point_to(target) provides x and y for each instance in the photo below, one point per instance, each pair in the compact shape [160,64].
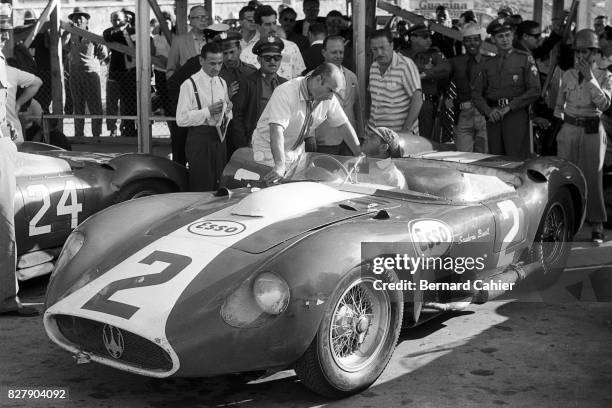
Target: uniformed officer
[434,69]
[503,90]
[471,128]
[257,88]
[233,72]
[9,301]
[584,94]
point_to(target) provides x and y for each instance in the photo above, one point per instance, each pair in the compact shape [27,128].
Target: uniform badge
[271,39]
[530,60]
[534,70]
[515,78]
[223,36]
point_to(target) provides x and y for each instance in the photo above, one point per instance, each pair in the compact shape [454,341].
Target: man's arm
[28,92]
[350,138]
[416,102]
[173,58]
[277,146]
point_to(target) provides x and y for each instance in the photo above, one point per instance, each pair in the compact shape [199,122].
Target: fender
[559,174]
[137,166]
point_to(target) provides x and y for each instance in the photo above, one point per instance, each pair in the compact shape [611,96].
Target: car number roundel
[430,237]
[216,228]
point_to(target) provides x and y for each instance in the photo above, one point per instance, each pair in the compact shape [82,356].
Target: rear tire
[553,240]
[356,337]
[143,188]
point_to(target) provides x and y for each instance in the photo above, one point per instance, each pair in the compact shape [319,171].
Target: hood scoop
[287,200]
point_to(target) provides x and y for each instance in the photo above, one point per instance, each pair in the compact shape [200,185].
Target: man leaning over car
[295,110]
[9,301]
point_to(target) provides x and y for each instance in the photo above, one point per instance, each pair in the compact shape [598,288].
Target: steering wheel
[334,161]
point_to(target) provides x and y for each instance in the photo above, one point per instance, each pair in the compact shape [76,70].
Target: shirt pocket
[393,86]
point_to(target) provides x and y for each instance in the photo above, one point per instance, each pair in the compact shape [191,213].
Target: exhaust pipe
[513,274]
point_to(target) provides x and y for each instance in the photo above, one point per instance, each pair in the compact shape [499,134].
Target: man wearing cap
[84,58]
[292,64]
[328,140]
[233,72]
[471,128]
[295,110]
[203,102]
[503,90]
[256,89]
[505,11]
[9,301]
[189,44]
[434,71]
[586,91]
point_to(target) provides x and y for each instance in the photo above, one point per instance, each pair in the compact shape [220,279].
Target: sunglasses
[269,58]
[535,35]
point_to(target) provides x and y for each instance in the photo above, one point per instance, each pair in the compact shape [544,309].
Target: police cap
[270,44]
[418,29]
[497,26]
[227,39]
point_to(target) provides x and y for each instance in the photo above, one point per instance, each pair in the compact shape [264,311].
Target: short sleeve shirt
[288,108]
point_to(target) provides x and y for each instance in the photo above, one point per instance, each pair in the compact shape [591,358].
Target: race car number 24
[63,208]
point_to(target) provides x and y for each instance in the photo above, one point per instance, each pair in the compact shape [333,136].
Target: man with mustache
[471,128]
[503,90]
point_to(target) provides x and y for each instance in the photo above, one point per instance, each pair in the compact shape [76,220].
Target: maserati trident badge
[113,340]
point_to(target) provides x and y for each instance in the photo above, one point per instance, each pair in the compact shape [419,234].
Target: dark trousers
[178,137]
[206,155]
[127,94]
[510,136]
[427,117]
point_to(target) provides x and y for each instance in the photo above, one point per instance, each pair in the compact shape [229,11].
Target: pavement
[541,349]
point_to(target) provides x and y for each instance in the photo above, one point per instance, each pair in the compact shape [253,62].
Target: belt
[498,103]
[582,121]
[465,105]
[430,97]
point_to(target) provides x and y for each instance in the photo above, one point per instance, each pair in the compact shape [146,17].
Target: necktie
[306,126]
[502,59]
[470,68]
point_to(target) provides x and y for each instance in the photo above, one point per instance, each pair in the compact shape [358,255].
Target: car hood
[78,160]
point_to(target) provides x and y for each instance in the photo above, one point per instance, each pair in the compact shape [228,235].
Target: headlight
[271,293]
[72,246]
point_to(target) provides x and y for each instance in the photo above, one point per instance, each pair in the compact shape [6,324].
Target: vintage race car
[252,279]
[58,189]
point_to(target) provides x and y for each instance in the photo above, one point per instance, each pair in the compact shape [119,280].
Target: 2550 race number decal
[101,302]
[68,204]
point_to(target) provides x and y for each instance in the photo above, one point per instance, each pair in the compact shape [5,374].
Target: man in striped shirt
[395,87]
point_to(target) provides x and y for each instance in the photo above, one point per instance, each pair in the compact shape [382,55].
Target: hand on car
[275,175]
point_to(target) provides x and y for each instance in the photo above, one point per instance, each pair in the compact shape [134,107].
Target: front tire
[356,337]
[553,238]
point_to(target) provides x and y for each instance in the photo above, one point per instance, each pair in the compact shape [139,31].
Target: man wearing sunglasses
[503,90]
[434,70]
[294,111]
[529,39]
[256,89]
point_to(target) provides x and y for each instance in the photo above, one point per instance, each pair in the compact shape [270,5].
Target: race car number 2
[68,204]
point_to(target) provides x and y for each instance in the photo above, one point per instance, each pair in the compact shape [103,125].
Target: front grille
[137,351]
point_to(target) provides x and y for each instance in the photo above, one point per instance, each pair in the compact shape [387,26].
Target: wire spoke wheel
[359,323]
[554,234]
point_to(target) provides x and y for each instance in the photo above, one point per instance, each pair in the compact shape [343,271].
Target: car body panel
[182,276]
[58,189]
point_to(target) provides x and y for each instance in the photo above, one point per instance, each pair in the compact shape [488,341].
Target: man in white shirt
[292,64]
[248,28]
[294,111]
[30,84]
[204,104]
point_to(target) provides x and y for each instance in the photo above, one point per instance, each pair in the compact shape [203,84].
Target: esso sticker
[430,237]
[216,228]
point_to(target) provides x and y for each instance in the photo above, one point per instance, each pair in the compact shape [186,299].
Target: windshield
[404,176]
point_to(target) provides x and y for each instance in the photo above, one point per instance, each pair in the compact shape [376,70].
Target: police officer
[503,90]
[471,128]
[434,69]
[233,72]
[9,301]
[584,94]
